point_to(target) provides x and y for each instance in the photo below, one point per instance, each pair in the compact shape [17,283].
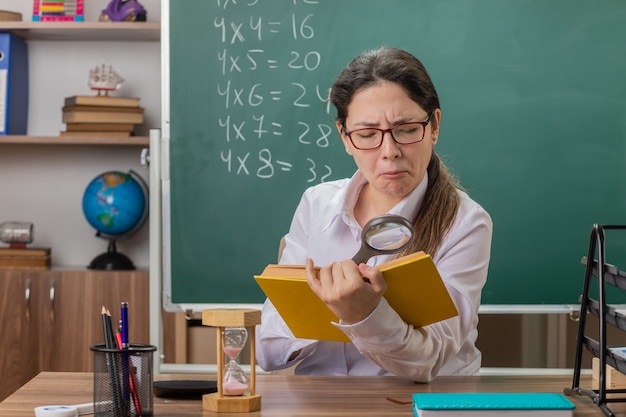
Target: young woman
[389,119]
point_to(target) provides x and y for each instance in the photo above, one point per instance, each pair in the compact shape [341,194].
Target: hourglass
[235,380]
[235,390]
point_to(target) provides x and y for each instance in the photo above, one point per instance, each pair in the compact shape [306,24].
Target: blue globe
[115,204]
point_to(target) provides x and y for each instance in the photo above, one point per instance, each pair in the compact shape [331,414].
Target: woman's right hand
[342,287]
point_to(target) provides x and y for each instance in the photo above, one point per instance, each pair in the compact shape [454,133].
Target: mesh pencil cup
[122,381]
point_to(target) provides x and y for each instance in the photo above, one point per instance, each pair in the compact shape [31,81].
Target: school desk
[288,395]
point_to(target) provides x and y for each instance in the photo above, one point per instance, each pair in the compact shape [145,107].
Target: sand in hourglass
[235,380]
[232,385]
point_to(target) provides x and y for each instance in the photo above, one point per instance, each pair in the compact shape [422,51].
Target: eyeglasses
[371,138]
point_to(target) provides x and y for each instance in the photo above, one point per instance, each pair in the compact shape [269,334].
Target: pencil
[109,342]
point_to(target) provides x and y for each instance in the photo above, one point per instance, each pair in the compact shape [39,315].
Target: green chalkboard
[533,95]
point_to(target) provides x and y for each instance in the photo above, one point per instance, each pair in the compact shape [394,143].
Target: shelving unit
[75,140]
[84,31]
[81,31]
[42,162]
[606,274]
[57,159]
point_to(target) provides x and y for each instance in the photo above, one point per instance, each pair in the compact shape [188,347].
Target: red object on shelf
[58,11]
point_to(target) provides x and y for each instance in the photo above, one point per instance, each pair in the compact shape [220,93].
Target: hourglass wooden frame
[222,318]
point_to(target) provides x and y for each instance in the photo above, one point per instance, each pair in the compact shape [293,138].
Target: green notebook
[486,404]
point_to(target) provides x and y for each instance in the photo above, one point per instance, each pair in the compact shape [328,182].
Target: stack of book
[9,16]
[24,258]
[101,116]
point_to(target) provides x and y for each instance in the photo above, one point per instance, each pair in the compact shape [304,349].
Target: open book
[414,290]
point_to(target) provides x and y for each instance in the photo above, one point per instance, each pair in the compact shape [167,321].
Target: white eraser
[56,411]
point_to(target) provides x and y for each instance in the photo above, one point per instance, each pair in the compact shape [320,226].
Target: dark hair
[395,65]
[384,64]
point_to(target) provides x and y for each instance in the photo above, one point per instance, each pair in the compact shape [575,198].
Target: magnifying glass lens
[384,234]
[389,238]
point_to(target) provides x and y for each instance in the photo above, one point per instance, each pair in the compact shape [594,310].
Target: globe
[116,205]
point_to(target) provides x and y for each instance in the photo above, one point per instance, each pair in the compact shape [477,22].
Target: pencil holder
[122,381]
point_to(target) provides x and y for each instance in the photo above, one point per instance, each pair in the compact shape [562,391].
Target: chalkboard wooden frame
[533,106]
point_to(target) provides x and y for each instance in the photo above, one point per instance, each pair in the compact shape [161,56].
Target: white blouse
[324,229]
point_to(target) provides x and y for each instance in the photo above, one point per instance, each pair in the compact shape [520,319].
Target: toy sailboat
[103,78]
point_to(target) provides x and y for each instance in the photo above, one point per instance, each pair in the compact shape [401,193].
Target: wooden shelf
[81,31]
[74,140]
[85,31]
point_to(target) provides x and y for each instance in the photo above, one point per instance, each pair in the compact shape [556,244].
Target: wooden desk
[288,395]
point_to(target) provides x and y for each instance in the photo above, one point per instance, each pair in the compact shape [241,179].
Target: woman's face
[392,170]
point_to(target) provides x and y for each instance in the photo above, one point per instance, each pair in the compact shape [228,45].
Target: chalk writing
[261,115]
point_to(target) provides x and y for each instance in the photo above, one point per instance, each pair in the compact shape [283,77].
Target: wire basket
[122,381]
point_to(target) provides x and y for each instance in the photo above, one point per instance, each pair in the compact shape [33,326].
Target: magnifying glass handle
[362,255]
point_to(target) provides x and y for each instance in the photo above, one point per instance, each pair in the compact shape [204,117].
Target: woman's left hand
[351,291]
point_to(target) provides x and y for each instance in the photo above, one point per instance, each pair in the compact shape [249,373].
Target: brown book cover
[8,16]
[101,117]
[414,289]
[25,258]
[111,101]
[99,127]
[24,263]
[103,109]
[109,133]
[24,251]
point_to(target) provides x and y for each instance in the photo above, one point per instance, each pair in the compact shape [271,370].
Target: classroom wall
[45,184]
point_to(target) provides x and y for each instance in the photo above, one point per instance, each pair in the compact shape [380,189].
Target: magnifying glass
[382,235]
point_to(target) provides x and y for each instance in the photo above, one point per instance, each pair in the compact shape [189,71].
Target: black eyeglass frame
[390,131]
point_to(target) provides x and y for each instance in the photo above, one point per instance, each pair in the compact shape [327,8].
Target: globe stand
[111,260]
